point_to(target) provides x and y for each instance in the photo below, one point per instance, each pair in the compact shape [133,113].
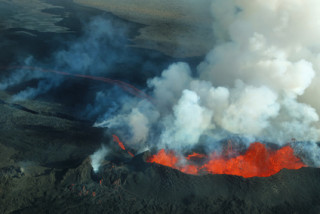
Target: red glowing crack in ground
[125,86]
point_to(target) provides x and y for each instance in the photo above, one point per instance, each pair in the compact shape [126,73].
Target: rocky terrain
[174,28]
[179,28]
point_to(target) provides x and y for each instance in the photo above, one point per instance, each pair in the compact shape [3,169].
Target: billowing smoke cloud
[254,83]
[189,121]
[259,81]
[275,56]
[98,157]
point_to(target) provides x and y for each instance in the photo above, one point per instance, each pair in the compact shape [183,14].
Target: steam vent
[159,106]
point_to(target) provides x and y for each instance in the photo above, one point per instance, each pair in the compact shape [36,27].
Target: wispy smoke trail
[123,85]
[94,53]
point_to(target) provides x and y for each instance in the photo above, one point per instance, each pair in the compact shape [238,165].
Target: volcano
[63,179]
[153,106]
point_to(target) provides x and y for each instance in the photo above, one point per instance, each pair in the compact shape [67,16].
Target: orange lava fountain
[257,161]
[195,156]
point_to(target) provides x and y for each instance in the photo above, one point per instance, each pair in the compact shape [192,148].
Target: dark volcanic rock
[289,191]
[159,189]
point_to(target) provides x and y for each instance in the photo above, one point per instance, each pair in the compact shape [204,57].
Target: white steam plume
[259,81]
[188,122]
[98,157]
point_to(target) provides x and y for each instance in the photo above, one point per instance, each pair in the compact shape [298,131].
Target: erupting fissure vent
[257,161]
[117,140]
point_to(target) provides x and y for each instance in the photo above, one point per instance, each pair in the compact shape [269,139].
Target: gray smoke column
[259,82]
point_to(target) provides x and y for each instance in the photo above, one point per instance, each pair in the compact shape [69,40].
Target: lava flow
[117,140]
[257,161]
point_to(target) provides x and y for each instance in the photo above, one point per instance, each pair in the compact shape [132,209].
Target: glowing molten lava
[117,140]
[195,156]
[257,161]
